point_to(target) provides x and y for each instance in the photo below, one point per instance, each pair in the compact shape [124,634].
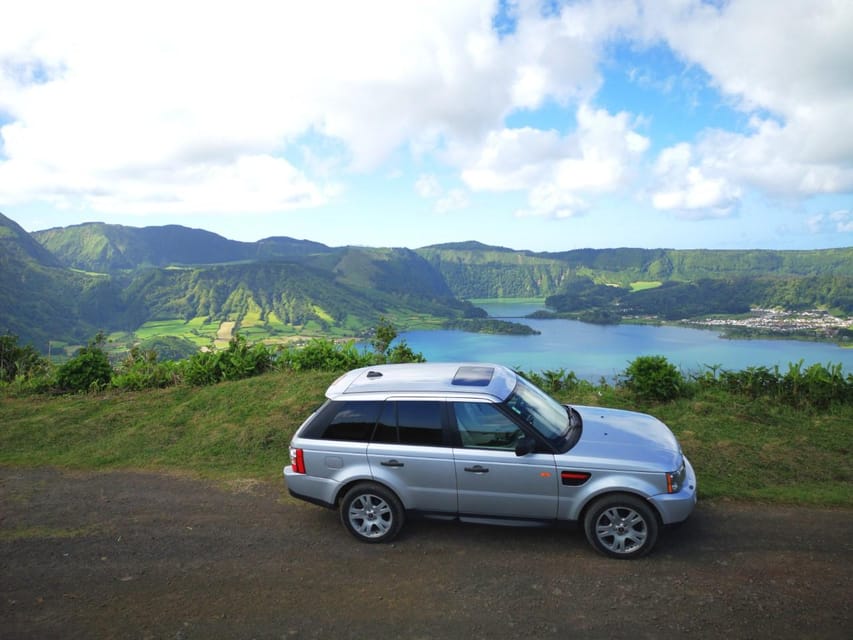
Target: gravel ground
[142,555]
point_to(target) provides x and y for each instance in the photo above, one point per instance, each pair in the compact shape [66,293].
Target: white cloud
[513,159]
[599,157]
[840,221]
[843,221]
[427,186]
[455,200]
[548,201]
[689,189]
[792,71]
[206,106]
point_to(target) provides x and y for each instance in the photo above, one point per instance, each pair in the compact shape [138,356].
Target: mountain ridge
[64,283]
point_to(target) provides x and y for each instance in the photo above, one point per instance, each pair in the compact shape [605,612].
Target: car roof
[441,378]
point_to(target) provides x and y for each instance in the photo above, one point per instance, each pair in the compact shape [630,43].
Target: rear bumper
[320,491]
[676,507]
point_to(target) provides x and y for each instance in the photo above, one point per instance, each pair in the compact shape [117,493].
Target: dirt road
[133,555]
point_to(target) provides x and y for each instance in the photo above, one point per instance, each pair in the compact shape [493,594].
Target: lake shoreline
[594,352]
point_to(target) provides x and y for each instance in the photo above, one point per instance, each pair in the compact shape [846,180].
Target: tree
[18,361]
[384,335]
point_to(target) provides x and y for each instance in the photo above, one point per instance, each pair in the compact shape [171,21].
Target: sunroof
[473,376]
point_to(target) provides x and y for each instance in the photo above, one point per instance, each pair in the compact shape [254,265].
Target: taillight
[297,460]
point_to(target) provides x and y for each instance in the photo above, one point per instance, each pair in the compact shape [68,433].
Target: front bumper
[676,507]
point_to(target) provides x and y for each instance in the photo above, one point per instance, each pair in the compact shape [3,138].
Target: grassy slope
[232,429]
[748,450]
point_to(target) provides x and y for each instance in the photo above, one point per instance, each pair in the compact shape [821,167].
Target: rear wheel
[371,513]
[621,526]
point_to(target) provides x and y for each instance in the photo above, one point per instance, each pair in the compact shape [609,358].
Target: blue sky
[543,126]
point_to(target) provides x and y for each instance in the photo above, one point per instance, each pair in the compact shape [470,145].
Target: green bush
[654,378]
[88,370]
[142,370]
[325,355]
[201,369]
[557,381]
[817,386]
[242,360]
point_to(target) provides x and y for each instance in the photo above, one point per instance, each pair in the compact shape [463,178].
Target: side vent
[574,478]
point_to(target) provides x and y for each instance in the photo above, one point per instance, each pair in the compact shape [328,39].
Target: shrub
[242,360]
[557,381]
[142,370]
[817,386]
[201,369]
[88,370]
[654,378]
[325,355]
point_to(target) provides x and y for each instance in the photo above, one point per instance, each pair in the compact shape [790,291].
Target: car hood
[617,439]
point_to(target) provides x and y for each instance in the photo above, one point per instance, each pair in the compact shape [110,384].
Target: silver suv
[479,443]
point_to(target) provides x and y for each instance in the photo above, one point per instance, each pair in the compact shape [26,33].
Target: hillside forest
[183,289]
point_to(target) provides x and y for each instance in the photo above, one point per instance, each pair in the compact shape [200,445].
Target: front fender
[572,503]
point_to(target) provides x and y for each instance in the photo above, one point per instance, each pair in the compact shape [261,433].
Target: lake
[596,351]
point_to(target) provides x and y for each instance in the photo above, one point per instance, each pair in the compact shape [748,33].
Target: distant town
[777,321]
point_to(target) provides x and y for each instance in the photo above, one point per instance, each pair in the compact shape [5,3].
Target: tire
[372,513]
[621,526]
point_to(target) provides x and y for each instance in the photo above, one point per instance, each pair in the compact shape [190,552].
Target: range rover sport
[479,443]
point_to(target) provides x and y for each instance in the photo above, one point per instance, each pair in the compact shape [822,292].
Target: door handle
[391,463]
[477,469]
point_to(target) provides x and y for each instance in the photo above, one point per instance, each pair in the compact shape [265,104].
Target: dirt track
[130,555]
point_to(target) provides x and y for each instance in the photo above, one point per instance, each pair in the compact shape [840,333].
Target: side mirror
[525,445]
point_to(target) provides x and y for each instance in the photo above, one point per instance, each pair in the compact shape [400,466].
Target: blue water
[596,351]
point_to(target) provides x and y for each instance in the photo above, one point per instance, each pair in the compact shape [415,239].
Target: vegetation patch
[30,533]
[759,434]
[642,285]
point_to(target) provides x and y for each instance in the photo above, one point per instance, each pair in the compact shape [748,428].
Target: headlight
[675,480]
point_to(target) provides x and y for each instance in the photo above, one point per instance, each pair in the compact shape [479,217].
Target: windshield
[539,410]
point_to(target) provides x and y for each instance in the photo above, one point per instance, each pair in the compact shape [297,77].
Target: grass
[197,330]
[741,449]
[234,429]
[642,285]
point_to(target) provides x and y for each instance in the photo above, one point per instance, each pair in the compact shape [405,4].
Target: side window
[386,428]
[420,423]
[482,426]
[353,421]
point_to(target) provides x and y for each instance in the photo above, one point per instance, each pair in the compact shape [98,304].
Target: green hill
[110,248]
[479,271]
[39,299]
[171,280]
[107,248]
[187,282]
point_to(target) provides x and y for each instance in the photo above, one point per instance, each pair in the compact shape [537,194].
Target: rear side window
[420,423]
[412,422]
[350,421]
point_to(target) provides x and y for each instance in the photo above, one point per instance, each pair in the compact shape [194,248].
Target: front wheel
[621,526]
[371,513]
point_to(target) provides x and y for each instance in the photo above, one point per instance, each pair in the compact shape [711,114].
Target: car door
[491,480]
[411,453]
